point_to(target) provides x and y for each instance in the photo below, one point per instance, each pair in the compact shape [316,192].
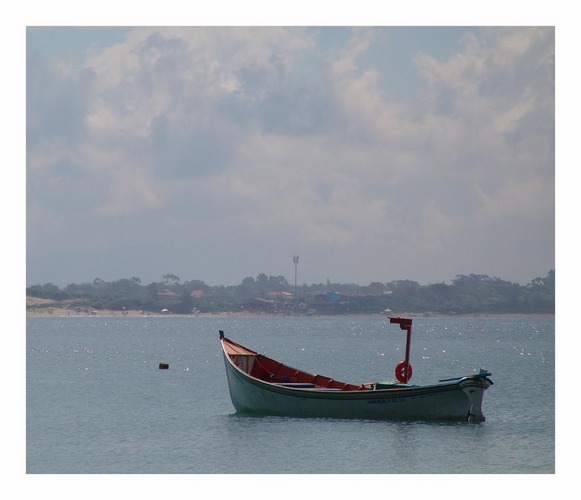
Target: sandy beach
[44,307]
[66,312]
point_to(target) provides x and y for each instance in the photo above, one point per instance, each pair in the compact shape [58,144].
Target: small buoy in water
[163,366]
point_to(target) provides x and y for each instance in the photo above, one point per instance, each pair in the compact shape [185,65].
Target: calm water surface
[98,403]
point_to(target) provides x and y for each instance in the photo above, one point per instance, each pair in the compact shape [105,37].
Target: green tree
[185,305]
[170,279]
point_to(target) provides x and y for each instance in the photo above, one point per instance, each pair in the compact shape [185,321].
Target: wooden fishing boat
[261,385]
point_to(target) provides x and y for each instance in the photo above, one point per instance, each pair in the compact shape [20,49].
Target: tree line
[467,294]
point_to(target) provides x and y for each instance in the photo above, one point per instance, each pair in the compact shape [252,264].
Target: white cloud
[221,127]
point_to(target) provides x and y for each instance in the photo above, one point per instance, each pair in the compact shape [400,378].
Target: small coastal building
[258,304]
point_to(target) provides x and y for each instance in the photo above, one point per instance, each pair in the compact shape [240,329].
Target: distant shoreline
[68,313]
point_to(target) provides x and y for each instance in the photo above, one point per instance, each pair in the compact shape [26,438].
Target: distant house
[331,303]
[280,295]
[331,298]
[167,293]
[260,304]
[197,294]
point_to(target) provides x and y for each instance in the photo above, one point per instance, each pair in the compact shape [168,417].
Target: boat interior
[274,372]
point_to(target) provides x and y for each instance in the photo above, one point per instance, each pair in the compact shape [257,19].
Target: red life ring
[402,370]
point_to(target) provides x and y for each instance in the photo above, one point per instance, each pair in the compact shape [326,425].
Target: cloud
[250,130]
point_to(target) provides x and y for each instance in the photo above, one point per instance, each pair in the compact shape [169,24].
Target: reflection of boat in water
[259,384]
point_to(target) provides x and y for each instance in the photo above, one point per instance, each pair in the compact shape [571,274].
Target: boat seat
[296,385]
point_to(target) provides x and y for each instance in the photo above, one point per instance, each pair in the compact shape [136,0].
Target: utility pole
[296,263]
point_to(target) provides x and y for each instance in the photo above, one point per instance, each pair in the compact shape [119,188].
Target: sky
[218,153]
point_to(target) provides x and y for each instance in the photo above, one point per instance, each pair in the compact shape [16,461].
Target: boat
[261,385]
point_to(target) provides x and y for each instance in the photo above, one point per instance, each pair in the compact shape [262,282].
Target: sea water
[97,402]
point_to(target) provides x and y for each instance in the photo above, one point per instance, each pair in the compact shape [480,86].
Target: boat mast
[403,370]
